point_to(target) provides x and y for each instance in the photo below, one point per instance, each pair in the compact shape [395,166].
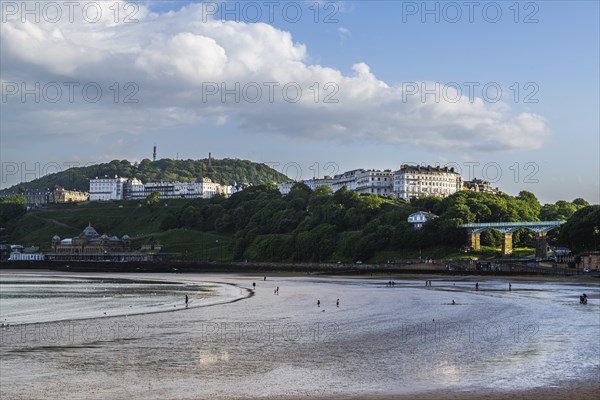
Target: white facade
[416,181]
[315,183]
[347,179]
[209,188]
[105,189]
[408,181]
[136,190]
[17,256]
[375,182]
[419,218]
[285,188]
[133,189]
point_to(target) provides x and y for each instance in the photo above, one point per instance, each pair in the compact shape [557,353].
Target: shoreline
[303,271]
[348,270]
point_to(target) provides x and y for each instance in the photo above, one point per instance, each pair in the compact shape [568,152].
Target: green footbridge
[540,228]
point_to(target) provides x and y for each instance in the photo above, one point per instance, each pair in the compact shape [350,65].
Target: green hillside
[226,171]
[37,227]
[258,224]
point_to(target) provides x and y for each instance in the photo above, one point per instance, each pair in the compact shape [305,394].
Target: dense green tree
[153,199]
[580,232]
[11,208]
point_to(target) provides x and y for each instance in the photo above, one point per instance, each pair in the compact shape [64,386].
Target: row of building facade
[89,245]
[57,195]
[407,182]
[119,188]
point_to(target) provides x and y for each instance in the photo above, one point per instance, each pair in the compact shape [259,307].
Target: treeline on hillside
[226,171]
[323,226]
[11,207]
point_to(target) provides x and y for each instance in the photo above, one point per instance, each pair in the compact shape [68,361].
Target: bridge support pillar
[507,243]
[475,240]
[541,245]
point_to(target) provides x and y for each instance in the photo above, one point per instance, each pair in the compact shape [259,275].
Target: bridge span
[540,228]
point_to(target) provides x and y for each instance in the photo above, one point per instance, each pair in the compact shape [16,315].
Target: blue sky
[371,49]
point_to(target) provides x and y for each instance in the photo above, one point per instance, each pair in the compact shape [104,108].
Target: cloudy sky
[500,90]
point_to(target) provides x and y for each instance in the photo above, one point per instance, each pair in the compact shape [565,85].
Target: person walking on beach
[277,291]
[254,285]
[337,303]
[509,287]
[186,301]
[318,303]
[477,286]
[265,278]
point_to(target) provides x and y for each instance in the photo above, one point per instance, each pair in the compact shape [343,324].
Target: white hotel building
[417,181]
[409,181]
[105,189]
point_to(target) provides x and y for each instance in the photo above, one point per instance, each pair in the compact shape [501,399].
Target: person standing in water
[318,303]
[337,303]
[186,301]
[509,287]
[477,286]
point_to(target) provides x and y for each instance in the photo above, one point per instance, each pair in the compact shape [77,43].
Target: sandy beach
[240,338]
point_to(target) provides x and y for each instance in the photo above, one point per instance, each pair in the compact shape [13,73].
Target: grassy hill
[143,224]
[37,227]
[226,171]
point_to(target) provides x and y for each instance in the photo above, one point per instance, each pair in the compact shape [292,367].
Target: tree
[153,199]
[11,207]
[578,232]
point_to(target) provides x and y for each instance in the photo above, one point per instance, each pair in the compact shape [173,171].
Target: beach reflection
[384,340]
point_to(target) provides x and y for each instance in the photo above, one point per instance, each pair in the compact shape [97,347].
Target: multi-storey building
[54,196]
[209,188]
[409,181]
[105,189]
[134,189]
[479,185]
[347,179]
[90,242]
[375,182]
[62,195]
[417,181]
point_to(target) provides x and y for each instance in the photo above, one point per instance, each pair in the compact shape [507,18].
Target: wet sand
[406,342]
[584,391]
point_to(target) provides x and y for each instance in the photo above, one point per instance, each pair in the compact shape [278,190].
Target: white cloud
[178,59]
[344,33]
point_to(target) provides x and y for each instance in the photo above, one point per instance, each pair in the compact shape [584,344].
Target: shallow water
[47,298]
[403,339]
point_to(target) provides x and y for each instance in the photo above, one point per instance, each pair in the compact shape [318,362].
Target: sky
[504,91]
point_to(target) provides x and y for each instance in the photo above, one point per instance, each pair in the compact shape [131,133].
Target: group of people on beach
[427,283]
[390,284]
